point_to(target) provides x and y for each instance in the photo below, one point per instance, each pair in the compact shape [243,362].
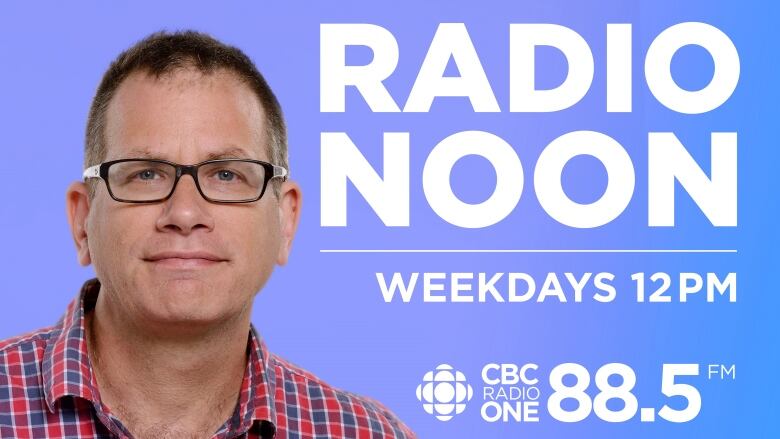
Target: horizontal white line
[547,250]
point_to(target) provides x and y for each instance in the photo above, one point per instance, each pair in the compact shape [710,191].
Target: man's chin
[185,321]
[186,300]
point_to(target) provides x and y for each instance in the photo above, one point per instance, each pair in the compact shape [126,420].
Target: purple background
[325,311]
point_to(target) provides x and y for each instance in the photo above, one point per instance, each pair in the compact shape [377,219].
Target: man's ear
[290,199]
[77,206]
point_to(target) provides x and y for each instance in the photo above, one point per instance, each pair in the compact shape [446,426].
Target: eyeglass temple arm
[92,172]
[280,172]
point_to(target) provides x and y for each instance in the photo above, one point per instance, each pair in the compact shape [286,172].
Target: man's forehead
[185,113]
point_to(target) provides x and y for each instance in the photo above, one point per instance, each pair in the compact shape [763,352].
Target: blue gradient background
[326,312]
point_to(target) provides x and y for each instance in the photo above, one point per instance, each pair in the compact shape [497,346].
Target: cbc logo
[444,392]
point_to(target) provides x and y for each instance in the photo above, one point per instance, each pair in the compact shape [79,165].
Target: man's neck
[167,384]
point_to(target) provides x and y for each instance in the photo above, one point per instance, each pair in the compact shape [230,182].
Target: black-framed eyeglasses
[218,181]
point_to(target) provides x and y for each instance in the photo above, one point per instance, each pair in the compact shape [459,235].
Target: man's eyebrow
[141,154]
[229,153]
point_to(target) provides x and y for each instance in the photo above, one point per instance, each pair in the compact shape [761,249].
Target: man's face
[185,260]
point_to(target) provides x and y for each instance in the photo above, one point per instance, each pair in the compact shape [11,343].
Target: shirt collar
[256,400]
[66,366]
[67,370]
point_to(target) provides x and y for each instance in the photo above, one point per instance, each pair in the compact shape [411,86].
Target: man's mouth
[184,259]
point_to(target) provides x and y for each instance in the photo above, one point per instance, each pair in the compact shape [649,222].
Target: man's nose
[186,210]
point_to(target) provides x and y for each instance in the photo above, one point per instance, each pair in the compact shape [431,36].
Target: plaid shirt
[48,390]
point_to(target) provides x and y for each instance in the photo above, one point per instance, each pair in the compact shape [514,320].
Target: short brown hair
[161,53]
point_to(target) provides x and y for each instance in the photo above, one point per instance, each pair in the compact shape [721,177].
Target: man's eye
[225,175]
[146,174]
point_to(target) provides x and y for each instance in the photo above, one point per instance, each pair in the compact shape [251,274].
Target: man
[184,211]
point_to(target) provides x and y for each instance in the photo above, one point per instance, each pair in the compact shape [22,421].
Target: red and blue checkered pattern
[48,390]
